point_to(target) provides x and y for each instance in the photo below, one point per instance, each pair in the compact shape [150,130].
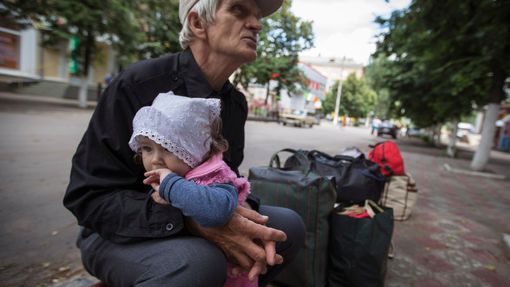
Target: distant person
[376,123]
[108,79]
[179,142]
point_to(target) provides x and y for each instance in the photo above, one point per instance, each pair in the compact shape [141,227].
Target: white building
[334,69]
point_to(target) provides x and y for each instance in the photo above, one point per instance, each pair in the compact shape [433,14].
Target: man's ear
[196,25]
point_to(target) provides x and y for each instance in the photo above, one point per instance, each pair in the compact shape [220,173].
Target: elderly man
[129,240]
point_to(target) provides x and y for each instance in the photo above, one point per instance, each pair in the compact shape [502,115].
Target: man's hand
[245,240]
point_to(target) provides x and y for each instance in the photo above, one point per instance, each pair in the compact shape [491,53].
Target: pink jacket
[215,170]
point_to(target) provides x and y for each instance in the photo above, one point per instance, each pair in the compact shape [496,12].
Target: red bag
[387,155]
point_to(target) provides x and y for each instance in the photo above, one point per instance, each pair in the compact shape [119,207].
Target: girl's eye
[146,148]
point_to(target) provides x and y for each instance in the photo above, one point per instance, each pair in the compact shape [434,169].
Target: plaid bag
[313,197]
[400,193]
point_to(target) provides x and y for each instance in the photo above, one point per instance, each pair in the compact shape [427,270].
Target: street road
[36,145]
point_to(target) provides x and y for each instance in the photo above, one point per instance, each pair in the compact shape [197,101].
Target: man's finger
[257,269]
[258,231]
[240,259]
[278,259]
[252,215]
[253,250]
[270,247]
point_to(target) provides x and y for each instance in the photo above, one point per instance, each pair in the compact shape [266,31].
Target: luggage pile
[347,202]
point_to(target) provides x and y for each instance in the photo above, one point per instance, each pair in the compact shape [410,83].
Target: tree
[446,59]
[357,98]
[161,26]
[84,23]
[375,73]
[283,36]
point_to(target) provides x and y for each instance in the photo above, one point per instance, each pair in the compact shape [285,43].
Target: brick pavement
[454,237]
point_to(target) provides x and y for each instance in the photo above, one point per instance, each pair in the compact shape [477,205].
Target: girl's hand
[154,179]
[158,199]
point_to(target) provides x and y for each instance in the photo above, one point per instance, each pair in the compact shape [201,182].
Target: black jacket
[105,191]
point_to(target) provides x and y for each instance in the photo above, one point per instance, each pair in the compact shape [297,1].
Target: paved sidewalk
[454,237]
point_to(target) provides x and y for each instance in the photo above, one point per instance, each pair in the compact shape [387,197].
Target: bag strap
[305,162]
[370,205]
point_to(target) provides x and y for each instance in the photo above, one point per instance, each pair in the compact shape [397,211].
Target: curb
[506,242]
[448,168]
[46,100]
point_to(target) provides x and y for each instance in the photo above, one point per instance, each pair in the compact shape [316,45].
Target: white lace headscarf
[180,124]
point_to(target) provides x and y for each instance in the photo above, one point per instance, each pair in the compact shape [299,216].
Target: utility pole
[339,93]
[337,103]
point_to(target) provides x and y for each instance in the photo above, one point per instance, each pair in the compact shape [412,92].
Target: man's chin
[250,56]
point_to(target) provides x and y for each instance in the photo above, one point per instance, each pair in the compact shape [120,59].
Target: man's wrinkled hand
[245,240]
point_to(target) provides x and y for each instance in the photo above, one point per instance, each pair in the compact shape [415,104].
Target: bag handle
[370,205]
[275,159]
[338,157]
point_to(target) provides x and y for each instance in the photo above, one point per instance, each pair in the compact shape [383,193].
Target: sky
[344,27]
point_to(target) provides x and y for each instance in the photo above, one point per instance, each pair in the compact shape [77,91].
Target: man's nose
[255,24]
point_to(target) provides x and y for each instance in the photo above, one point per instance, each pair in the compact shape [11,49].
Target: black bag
[358,249]
[313,197]
[357,179]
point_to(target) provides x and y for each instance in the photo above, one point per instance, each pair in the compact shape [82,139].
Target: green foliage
[445,58]
[283,36]
[375,74]
[134,28]
[161,26]
[357,99]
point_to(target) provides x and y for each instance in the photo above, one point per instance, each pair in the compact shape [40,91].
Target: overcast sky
[344,27]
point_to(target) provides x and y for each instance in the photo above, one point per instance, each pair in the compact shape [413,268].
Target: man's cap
[267,7]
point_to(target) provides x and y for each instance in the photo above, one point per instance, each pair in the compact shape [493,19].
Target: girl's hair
[218,143]
[206,10]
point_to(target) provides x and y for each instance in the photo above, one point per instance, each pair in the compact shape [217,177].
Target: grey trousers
[186,261]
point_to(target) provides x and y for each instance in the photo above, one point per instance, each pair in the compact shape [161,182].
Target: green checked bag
[313,197]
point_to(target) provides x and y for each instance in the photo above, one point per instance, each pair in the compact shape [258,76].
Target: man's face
[234,31]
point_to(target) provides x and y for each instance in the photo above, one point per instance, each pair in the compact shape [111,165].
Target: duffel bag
[400,193]
[356,178]
[313,197]
[359,247]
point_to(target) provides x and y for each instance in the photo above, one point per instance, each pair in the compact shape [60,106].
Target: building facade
[27,67]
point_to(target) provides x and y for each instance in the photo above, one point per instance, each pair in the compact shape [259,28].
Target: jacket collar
[196,84]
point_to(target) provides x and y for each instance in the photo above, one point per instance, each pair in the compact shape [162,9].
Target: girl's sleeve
[209,205]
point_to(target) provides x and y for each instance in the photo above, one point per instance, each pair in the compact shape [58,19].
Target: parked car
[415,132]
[387,128]
[463,129]
[298,119]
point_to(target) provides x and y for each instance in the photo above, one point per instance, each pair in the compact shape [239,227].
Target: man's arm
[105,191]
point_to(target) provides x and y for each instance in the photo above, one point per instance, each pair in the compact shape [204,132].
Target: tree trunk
[497,94]
[267,93]
[482,154]
[82,96]
[451,149]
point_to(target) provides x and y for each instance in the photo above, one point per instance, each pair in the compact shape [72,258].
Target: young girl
[180,144]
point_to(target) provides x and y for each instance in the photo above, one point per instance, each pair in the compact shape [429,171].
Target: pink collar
[210,165]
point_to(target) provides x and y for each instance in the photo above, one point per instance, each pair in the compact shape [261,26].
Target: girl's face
[155,156]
